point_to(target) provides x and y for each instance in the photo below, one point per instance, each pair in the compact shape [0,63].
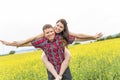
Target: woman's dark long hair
[65,32]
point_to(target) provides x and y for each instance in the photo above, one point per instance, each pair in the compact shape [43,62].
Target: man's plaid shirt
[54,50]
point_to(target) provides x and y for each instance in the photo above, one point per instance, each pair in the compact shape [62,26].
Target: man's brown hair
[46,26]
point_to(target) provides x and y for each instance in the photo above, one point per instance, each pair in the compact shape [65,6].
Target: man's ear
[43,33]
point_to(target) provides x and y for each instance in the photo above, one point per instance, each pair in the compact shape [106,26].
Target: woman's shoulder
[72,34]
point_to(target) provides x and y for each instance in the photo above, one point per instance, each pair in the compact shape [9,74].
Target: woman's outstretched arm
[85,37]
[14,43]
[22,42]
[29,39]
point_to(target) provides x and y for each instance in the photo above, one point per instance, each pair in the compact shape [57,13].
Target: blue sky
[21,19]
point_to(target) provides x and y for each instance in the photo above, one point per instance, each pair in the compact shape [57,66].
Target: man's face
[59,27]
[49,33]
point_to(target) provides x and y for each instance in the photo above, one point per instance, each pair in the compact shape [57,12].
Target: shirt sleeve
[38,43]
[71,39]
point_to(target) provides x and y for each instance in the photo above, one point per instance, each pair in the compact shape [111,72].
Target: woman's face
[59,27]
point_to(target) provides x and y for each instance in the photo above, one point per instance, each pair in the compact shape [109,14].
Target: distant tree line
[110,37]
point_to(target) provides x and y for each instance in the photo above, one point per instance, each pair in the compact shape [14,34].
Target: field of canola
[93,61]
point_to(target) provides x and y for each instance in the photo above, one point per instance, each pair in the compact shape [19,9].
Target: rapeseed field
[91,61]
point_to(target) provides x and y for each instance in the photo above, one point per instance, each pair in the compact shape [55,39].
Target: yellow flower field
[93,61]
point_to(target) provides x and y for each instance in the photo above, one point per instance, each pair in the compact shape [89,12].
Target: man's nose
[51,33]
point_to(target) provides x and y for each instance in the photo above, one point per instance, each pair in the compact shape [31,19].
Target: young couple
[54,41]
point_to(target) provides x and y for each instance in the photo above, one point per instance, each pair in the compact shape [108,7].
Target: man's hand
[58,77]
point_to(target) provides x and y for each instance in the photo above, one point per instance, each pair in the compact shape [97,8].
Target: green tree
[118,35]
[12,52]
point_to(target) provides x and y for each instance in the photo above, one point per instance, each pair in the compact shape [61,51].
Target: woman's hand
[99,35]
[4,42]
[14,43]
